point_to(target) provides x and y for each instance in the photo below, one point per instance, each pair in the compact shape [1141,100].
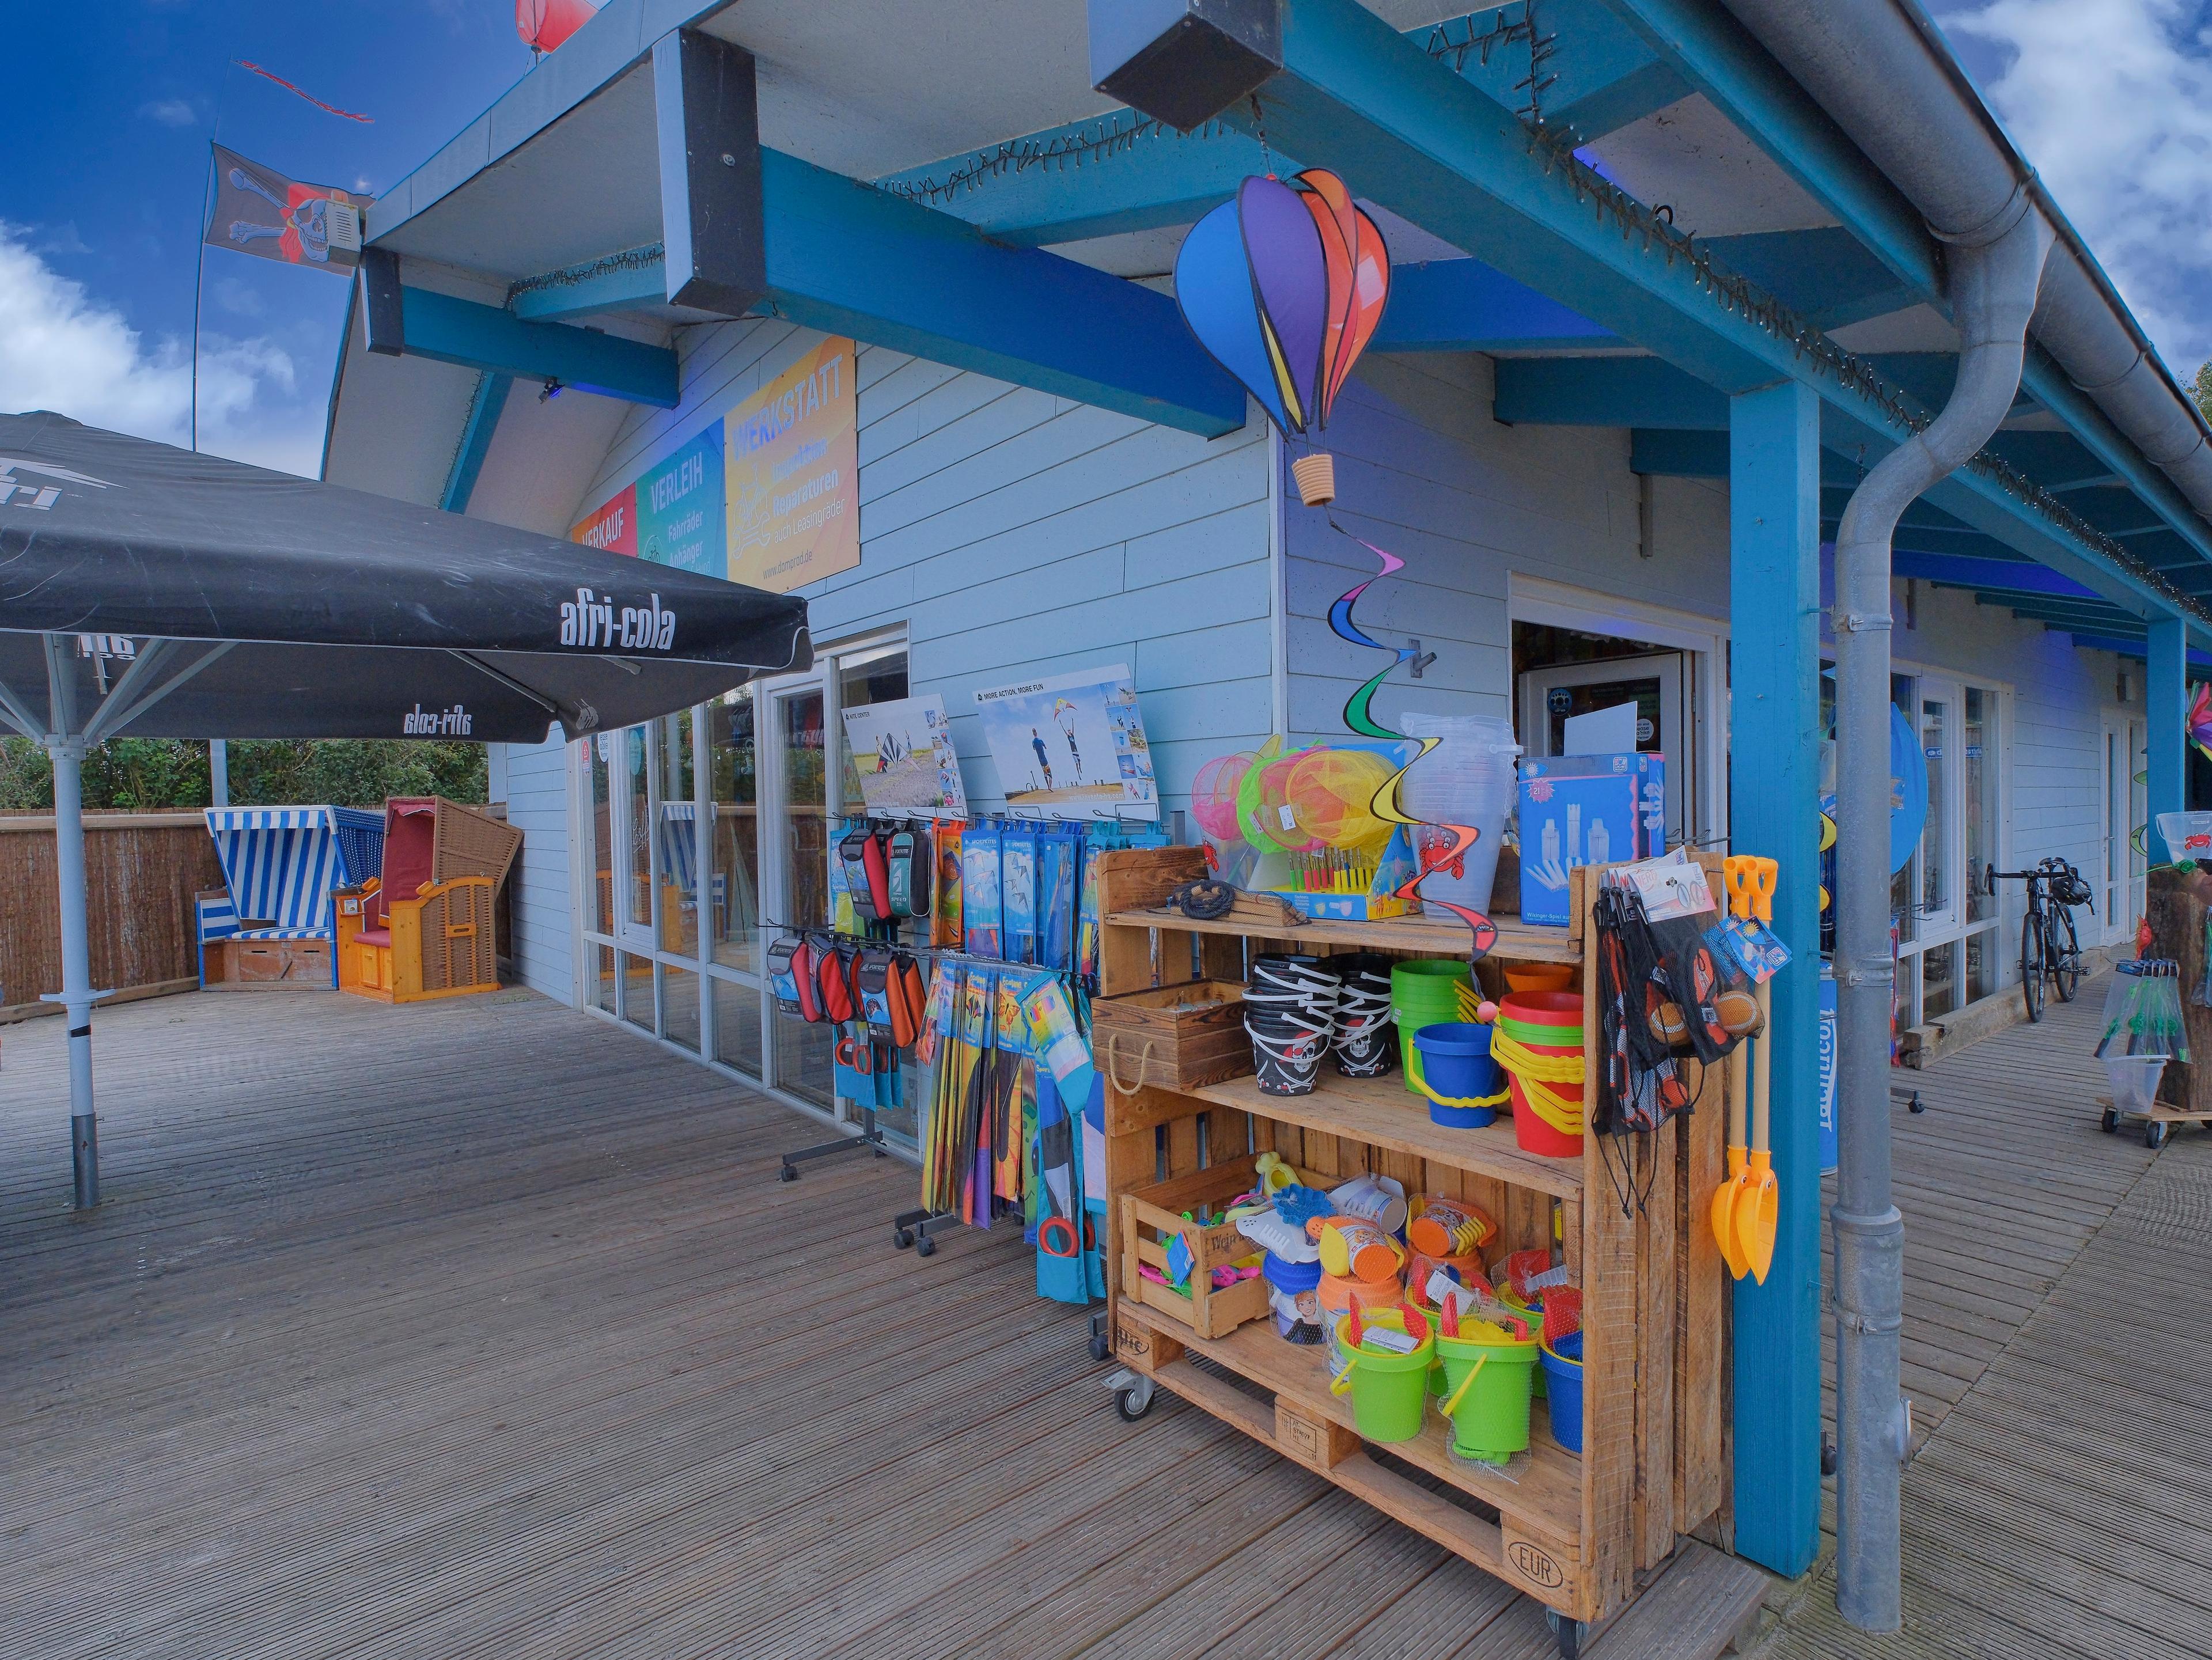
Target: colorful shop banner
[767,495]
[794,472]
[1071,747]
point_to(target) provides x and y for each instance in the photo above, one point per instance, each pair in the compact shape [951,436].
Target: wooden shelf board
[1382,1112]
[1436,936]
[1547,1500]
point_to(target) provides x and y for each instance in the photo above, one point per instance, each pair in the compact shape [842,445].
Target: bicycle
[2048,948]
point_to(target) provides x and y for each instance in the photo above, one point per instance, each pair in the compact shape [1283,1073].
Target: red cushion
[375,937]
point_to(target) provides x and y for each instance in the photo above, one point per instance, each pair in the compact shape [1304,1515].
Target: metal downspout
[1994,275]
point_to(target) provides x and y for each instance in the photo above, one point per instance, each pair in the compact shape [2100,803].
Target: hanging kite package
[911,866]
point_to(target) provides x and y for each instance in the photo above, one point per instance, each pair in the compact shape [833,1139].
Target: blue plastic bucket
[1563,1373]
[1456,1062]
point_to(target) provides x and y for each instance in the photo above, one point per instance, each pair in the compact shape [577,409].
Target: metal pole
[1993,285]
[218,773]
[68,753]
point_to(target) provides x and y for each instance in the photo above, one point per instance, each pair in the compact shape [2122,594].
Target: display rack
[1571,1531]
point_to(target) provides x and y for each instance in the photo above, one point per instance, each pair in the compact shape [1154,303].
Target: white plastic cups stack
[1290,1014]
[1468,778]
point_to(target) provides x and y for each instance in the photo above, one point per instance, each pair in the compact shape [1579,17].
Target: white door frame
[1558,605]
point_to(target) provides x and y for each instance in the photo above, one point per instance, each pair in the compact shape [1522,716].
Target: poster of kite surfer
[1071,747]
[903,754]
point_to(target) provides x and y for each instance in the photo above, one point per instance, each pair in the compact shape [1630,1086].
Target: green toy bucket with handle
[1487,1381]
[1389,1391]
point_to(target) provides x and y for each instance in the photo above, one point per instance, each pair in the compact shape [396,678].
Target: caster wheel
[2153,1136]
[902,1238]
[1569,1633]
[1102,1347]
[2110,1121]
[788,1173]
[925,1246]
[1134,1401]
[880,1153]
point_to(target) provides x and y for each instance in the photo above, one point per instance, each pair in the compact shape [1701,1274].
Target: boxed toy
[1585,810]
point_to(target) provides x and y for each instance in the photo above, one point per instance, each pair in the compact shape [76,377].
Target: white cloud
[2111,100]
[240,299]
[61,350]
[170,112]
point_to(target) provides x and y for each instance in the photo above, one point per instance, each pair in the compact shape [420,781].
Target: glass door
[797,733]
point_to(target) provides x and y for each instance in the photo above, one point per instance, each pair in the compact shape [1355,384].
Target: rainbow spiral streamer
[1359,716]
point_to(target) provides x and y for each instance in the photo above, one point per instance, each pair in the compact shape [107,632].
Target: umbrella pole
[68,754]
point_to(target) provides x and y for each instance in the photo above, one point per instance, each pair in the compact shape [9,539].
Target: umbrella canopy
[198,597]
[147,591]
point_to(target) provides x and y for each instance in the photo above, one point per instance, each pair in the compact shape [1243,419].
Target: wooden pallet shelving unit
[1571,1531]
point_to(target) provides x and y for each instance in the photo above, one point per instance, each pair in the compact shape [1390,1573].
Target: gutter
[1883,72]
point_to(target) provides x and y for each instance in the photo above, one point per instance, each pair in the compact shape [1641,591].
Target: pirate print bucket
[1290,1014]
[1364,1045]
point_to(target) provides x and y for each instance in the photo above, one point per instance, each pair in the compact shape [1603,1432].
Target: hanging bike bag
[783,972]
[837,986]
[872,985]
[806,990]
[909,858]
[853,856]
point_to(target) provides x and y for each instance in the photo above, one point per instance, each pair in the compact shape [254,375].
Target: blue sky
[110,105]
[109,109]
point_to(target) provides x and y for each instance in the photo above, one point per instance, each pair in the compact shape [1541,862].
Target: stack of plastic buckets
[1425,992]
[1487,1374]
[1289,1013]
[1548,1024]
[1363,1015]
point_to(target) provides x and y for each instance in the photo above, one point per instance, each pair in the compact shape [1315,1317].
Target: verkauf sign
[767,495]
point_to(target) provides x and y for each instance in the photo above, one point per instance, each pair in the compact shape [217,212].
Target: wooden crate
[1172,1037]
[1150,1218]
[269,964]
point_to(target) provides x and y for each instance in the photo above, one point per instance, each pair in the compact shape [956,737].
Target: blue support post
[484,410]
[1774,746]
[2166,689]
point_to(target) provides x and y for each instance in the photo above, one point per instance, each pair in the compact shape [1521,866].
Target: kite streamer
[367,120]
[1359,716]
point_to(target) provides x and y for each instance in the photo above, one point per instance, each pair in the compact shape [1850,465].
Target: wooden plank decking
[482,1329]
[2058,1347]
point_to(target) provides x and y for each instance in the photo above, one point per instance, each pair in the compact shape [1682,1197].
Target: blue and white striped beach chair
[279,865]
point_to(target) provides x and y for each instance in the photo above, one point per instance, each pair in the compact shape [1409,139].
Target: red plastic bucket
[1546,1023]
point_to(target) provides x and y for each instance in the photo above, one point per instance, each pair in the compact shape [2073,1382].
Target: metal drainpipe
[1994,274]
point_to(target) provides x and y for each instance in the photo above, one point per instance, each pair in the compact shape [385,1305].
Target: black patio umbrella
[146,591]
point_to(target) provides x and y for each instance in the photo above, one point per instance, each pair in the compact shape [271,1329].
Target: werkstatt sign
[794,472]
[766,496]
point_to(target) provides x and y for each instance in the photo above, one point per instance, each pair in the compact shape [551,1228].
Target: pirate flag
[258,210]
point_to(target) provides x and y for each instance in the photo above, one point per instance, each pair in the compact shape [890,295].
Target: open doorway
[1561,671]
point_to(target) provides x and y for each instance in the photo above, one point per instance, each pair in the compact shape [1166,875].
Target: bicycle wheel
[2030,965]
[2065,950]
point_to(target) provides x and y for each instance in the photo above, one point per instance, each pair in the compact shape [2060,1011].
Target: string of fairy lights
[1476,38]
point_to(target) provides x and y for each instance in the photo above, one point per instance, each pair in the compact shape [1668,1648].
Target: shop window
[803,1061]
[679,1005]
[733,905]
[676,835]
[636,989]
[738,1025]
[598,751]
[605,988]
[1979,766]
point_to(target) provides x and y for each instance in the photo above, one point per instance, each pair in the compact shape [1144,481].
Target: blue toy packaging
[1585,810]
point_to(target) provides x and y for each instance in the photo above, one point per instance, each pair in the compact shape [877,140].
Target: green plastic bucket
[1424,992]
[1490,1419]
[1389,1392]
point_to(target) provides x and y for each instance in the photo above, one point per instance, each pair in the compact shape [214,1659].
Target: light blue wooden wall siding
[538,804]
[1423,471]
[1016,533]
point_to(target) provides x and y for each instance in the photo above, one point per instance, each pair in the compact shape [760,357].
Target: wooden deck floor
[480,1329]
[2058,1347]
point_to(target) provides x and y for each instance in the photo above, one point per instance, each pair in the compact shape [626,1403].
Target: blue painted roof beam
[627,281]
[1033,190]
[1464,305]
[2130,647]
[487,338]
[1990,576]
[847,259]
[484,410]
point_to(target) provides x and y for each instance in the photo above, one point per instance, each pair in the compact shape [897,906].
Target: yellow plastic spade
[1759,1198]
[1736,871]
